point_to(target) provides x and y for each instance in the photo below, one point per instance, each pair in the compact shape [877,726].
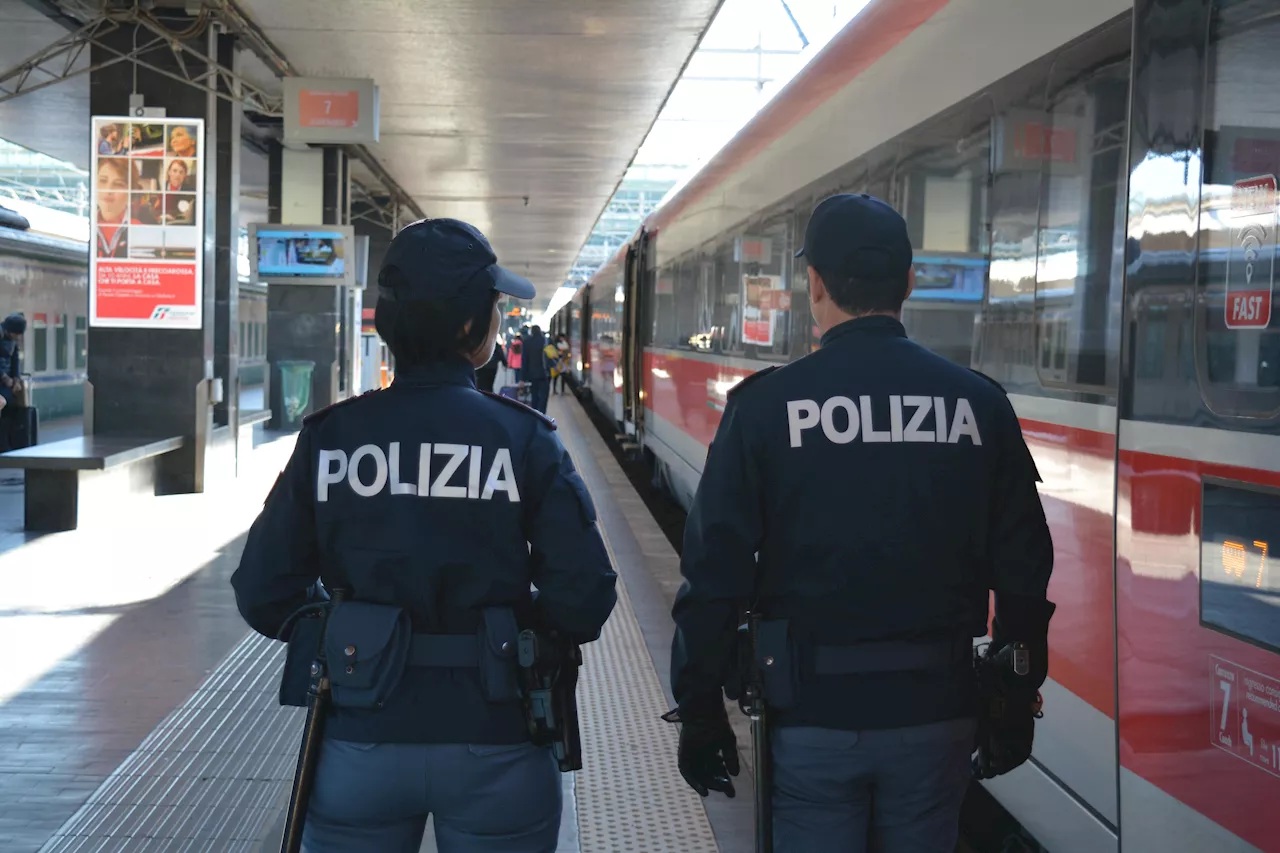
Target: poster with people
[147,191]
[762,296]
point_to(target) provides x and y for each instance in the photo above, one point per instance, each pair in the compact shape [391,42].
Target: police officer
[447,503]
[863,500]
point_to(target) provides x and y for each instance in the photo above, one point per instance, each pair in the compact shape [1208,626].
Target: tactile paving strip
[631,798]
[209,777]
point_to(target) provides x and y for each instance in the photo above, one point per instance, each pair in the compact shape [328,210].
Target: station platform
[139,713]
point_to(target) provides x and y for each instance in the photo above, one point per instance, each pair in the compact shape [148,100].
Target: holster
[777,662]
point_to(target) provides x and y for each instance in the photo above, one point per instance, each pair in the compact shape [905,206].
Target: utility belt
[367,648]
[774,658]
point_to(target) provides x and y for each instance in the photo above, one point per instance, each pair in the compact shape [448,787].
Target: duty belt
[890,656]
[444,650]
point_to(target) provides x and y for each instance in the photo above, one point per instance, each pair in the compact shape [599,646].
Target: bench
[71,480]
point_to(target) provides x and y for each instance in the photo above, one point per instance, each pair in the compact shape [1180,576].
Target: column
[224,151]
[158,382]
[306,322]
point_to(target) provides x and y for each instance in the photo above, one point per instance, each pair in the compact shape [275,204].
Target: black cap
[857,237]
[14,324]
[444,258]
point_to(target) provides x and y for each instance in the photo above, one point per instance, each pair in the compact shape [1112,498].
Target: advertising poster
[759,302]
[147,186]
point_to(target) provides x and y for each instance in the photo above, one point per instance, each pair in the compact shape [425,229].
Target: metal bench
[71,480]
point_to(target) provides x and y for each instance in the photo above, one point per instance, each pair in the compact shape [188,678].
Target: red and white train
[1091,189]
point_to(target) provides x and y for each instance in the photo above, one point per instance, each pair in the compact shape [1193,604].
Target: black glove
[708,750]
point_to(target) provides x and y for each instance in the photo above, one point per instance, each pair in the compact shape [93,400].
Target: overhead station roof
[519,117]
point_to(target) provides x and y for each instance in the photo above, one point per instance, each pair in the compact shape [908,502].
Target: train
[1090,188]
[46,279]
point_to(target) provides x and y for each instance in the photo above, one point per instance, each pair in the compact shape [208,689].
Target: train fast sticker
[1251,262]
[1245,714]
[147,186]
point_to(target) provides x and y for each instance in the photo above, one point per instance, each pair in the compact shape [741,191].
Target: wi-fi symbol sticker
[1251,238]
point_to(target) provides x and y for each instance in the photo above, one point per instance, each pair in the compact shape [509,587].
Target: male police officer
[863,500]
[441,504]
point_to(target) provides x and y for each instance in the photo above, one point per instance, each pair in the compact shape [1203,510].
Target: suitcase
[21,426]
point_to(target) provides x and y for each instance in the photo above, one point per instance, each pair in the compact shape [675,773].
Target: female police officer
[436,505]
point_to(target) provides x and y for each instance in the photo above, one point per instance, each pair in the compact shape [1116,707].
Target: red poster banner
[147,183]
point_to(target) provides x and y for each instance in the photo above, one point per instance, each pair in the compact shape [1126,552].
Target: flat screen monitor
[302,254]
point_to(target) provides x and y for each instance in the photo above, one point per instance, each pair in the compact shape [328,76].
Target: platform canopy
[518,116]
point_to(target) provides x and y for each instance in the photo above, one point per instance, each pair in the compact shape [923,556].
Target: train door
[1198,519]
[584,340]
[632,357]
[1056,274]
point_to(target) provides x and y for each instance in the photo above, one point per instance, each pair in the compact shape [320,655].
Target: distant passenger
[12,328]
[536,370]
[486,375]
[863,500]
[434,508]
[562,363]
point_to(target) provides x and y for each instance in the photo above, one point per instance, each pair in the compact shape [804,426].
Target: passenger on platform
[12,328]
[486,374]
[443,504]
[862,501]
[562,363]
[536,370]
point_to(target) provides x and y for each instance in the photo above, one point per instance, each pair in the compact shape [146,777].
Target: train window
[61,342]
[82,342]
[1240,561]
[1079,144]
[39,343]
[1238,334]
[942,193]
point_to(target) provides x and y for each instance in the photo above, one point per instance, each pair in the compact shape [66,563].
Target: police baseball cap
[857,236]
[14,324]
[441,259]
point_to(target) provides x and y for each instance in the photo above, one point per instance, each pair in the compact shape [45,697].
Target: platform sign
[1252,257]
[147,194]
[1244,714]
[330,111]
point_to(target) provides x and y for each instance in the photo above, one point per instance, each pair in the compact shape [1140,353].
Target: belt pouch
[775,656]
[302,650]
[499,642]
[367,650]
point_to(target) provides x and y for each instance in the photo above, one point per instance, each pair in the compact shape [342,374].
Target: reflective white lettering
[869,433]
[501,477]
[895,417]
[828,420]
[380,470]
[940,419]
[473,475]
[922,406]
[801,415]
[424,470]
[327,476]
[393,463]
[964,423]
[440,488]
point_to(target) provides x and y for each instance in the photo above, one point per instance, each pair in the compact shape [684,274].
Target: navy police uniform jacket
[442,500]
[871,491]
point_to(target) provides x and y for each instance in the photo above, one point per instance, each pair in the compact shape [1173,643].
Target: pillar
[158,382]
[306,321]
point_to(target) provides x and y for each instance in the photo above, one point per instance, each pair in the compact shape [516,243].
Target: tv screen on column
[302,254]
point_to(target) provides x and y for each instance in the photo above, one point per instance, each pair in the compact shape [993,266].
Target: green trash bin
[295,392]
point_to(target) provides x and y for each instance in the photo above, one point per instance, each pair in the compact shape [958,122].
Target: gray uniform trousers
[882,790]
[483,799]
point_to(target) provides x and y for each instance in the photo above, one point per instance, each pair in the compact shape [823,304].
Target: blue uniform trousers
[882,790]
[484,799]
[540,392]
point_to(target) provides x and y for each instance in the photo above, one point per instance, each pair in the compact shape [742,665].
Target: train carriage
[1091,190]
